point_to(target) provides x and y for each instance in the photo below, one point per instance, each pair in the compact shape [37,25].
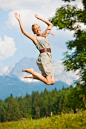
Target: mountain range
[12,84]
[13,80]
[26,63]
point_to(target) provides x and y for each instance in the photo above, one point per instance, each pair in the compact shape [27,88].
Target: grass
[64,121]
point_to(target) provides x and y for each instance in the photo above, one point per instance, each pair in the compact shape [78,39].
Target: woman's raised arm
[32,37]
[47,22]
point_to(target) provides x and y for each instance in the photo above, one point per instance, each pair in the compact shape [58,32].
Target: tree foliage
[13,112]
[34,106]
[37,105]
[69,17]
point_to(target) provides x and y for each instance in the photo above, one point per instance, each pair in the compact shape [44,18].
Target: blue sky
[13,44]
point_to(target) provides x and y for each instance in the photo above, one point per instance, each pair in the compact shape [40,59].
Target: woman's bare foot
[28,70]
[29,76]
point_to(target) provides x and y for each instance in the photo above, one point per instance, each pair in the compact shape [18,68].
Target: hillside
[12,84]
[65,121]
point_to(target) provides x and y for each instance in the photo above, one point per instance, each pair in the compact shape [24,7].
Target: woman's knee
[53,82]
[48,82]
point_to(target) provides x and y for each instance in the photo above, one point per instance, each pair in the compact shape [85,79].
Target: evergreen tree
[37,106]
[22,108]
[41,104]
[28,105]
[13,112]
[75,99]
[45,103]
[3,114]
[52,107]
[33,111]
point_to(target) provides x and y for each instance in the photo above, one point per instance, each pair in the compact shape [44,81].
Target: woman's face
[37,29]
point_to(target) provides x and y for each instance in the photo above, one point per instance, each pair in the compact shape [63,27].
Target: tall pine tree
[13,112]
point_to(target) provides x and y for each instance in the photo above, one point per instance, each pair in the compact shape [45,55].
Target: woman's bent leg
[31,76]
[47,80]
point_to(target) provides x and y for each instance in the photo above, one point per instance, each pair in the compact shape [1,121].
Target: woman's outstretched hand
[17,16]
[37,16]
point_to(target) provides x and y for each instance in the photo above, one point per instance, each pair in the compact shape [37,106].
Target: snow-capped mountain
[26,63]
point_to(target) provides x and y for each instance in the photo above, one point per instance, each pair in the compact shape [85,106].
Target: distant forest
[45,104]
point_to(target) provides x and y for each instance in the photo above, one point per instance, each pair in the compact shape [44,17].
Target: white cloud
[81,26]
[58,67]
[10,69]
[3,69]
[28,79]
[73,74]
[7,47]
[62,75]
[18,4]
[27,17]
[66,79]
[27,9]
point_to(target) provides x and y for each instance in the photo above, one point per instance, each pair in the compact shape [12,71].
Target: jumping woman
[42,43]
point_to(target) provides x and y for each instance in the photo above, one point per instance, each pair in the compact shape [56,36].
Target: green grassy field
[64,121]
